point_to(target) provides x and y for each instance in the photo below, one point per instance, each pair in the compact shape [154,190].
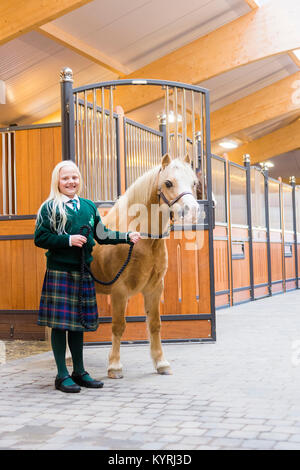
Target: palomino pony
[154,196]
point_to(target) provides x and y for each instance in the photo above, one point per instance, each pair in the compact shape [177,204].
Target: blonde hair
[54,202]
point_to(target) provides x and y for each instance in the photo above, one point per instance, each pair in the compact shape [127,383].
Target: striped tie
[74,204]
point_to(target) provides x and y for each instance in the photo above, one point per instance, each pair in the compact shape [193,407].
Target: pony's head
[177,188]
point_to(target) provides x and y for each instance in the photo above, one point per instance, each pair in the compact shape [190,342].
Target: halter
[172,202]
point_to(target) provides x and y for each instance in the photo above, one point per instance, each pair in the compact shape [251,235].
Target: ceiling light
[172,117]
[266,164]
[229,144]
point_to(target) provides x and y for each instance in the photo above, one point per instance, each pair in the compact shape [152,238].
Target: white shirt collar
[67,199]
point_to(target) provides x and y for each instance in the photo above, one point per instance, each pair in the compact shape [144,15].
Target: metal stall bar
[266,176]
[246,159]
[293,184]
[210,217]
[67,114]
[4,189]
[112,140]
[167,112]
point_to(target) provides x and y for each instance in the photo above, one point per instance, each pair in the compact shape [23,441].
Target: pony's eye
[169,184]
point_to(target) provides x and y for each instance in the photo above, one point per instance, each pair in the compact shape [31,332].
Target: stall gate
[115,149]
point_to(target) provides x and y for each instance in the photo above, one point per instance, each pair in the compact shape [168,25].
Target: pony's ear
[166,160]
[187,159]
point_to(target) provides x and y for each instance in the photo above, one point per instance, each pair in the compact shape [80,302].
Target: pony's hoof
[164,371]
[115,374]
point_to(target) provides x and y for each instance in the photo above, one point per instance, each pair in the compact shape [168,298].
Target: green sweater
[60,255]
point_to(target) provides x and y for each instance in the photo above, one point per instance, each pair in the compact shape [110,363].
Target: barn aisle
[241,392]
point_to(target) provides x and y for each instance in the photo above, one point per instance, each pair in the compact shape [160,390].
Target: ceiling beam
[270,102]
[20,16]
[264,32]
[280,141]
[252,4]
[294,58]
[80,47]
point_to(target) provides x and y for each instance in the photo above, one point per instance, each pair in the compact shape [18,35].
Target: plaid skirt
[59,301]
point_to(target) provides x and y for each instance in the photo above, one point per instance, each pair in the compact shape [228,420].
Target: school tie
[74,204]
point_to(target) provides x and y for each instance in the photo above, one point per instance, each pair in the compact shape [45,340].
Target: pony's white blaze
[183,181]
[190,209]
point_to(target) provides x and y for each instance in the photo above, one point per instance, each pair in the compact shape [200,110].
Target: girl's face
[68,183]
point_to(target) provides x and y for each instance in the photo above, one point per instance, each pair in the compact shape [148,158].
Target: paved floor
[241,392]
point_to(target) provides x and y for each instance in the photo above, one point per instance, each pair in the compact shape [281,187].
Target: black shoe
[78,379]
[66,388]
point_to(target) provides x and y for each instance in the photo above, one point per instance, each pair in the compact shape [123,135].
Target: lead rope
[84,267]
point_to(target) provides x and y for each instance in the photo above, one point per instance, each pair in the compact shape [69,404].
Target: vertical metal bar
[77,130]
[67,114]
[118,156]
[162,129]
[203,155]
[210,218]
[94,145]
[184,144]
[281,206]
[194,156]
[14,171]
[9,173]
[246,159]
[133,168]
[167,119]
[4,190]
[81,161]
[104,156]
[267,212]
[293,184]
[111,135]
[100,189]
[176,121]
[86,142]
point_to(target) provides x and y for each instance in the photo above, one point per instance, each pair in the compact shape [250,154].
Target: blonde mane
[140,192]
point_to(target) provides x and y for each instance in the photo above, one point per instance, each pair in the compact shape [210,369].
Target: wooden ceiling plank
[20,16]
[252,4]
[80,47]
[278,99]
[267,31]
[283,140]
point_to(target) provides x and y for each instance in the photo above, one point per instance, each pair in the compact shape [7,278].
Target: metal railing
[8,193]
[99,144]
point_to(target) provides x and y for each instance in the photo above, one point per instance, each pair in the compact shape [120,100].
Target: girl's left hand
[134,237]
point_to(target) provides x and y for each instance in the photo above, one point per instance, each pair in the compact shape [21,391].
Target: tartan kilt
[59,301]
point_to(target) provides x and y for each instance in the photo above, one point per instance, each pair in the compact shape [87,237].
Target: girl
[57,229]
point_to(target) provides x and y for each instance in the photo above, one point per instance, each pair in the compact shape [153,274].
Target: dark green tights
[59,344]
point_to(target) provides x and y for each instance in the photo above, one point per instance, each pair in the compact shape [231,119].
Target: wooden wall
[22,264]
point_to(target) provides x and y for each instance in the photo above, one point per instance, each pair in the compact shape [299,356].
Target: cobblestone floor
[241,392]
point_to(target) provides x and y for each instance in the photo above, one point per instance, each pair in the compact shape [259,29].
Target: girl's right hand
[78,240]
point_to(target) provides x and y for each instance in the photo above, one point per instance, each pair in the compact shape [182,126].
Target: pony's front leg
[153,318]
[118,304]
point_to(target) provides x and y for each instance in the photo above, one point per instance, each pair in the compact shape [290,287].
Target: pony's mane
[139,192]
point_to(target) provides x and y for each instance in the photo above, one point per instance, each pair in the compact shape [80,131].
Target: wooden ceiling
[241,52]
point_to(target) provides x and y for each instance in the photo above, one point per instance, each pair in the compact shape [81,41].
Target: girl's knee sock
[58,342]
[75,341]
